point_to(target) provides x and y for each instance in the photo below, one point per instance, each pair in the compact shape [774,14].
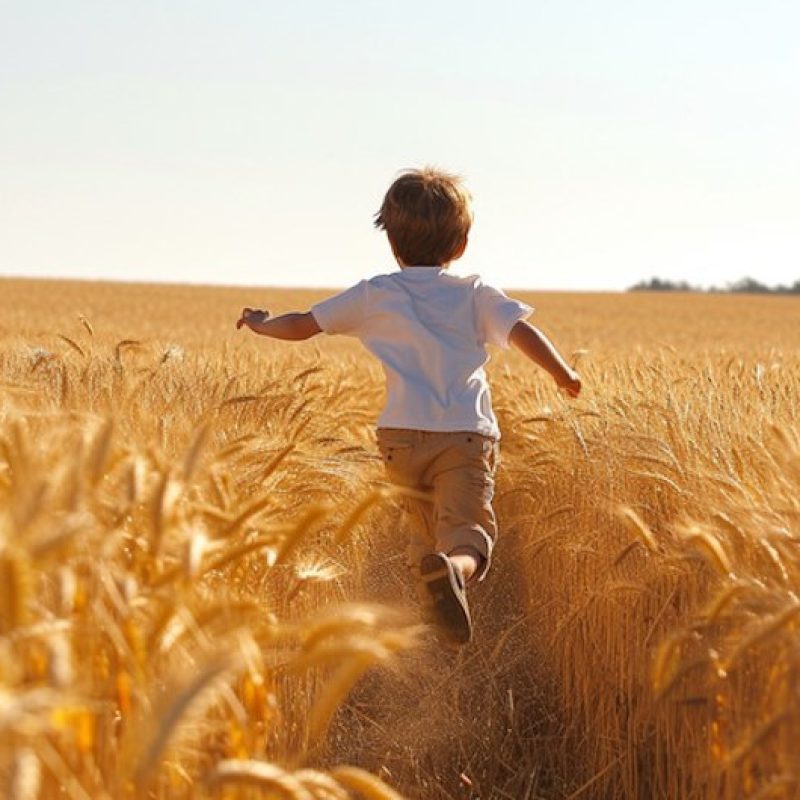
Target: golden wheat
[197,548]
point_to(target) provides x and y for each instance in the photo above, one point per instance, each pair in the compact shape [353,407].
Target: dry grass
[202,590]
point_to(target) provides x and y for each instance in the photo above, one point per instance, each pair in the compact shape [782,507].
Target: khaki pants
[457,470]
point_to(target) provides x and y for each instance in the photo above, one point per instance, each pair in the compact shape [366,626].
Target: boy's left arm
[537,347]
[289,327]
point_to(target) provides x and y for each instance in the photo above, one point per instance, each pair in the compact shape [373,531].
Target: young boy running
[437,433]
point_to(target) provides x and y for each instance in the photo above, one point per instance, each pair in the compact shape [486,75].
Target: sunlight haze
[251,142]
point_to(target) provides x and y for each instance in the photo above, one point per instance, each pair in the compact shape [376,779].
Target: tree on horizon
[746,285]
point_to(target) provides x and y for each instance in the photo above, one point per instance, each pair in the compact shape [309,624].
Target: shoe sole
[448,598]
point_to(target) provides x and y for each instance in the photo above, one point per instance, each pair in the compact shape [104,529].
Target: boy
[437,433]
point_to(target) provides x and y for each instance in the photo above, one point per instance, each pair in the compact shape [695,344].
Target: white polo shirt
[430,330]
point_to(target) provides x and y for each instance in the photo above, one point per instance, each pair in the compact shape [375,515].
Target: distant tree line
[743,286]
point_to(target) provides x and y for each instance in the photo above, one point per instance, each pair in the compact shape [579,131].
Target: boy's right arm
[536,346]
[291,327]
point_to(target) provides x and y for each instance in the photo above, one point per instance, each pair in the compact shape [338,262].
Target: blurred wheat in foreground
[202,590]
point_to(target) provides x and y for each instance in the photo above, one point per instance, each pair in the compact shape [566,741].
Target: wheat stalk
[171,716]
[363,782]
[261,774]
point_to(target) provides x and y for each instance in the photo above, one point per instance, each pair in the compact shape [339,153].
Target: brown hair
[427,215]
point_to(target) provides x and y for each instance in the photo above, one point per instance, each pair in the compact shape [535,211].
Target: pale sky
[251,141]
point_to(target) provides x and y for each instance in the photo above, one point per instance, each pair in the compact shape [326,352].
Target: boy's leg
[467,560]
[402,451]
[465,526]
[452,536]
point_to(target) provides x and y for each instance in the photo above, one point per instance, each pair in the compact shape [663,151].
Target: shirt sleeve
[344,312]
[497,313]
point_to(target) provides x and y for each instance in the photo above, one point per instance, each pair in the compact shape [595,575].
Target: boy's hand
[251,316]
[570,384]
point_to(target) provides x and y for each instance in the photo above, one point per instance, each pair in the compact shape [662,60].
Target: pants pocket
[395,454]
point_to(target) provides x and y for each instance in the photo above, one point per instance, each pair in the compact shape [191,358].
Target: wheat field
[202,580]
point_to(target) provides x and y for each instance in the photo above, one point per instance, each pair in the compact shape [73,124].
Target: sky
[251,141]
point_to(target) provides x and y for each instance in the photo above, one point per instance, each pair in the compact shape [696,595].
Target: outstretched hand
[251,316]
[570,384]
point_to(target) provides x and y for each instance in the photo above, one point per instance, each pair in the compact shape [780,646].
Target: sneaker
[445,586]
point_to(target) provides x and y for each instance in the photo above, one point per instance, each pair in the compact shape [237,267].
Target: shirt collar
[421,271]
